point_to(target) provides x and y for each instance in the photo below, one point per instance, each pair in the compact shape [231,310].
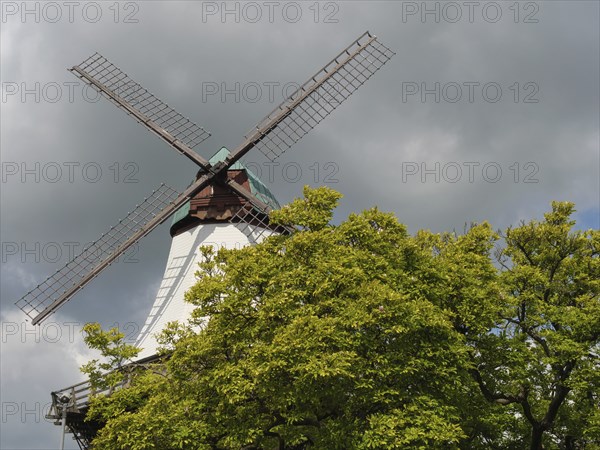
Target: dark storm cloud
[374,148]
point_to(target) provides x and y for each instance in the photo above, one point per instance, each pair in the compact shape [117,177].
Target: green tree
[541,359]
[362,336]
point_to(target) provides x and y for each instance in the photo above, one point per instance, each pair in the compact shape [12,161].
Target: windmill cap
[257,187]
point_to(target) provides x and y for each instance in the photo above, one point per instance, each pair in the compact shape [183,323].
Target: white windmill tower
[225,205]
[205,220]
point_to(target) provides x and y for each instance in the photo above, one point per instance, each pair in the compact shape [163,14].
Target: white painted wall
[179,276]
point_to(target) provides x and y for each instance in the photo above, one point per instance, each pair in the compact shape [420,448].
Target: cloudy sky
[488,111]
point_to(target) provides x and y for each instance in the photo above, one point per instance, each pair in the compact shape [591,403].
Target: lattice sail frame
[54,287]
[330,86]
[118,83]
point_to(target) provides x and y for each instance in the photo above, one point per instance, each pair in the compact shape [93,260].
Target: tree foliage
[115,353]
[543,360]
[361,336]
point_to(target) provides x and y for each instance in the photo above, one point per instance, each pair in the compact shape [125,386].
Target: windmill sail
[180,132]
[60,287]
[316,98]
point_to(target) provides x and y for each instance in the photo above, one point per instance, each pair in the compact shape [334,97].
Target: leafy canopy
[361,336]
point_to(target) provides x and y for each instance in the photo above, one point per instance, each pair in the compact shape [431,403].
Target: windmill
[224,198]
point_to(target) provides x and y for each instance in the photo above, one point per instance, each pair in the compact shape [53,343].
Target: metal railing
[76,398]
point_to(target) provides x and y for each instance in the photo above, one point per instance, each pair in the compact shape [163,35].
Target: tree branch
[489,395]
[559,396]
[529,331]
